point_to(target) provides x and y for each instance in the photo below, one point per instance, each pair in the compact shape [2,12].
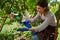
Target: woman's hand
[32,29]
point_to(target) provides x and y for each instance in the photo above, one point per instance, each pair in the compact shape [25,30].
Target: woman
[47,29]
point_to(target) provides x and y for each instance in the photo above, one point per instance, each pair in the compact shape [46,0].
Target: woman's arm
[43,25]
[36,18]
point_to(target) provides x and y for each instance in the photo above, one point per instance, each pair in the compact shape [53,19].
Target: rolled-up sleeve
[44,24]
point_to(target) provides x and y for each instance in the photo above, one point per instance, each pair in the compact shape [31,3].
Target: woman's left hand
[32,29]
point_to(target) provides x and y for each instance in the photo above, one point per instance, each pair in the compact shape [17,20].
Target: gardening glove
[27,23]
[23,29]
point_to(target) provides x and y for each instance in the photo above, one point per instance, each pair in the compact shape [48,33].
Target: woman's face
[40,9]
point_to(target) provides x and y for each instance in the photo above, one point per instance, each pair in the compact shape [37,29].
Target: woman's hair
[43,3]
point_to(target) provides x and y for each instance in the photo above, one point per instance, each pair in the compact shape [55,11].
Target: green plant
[6,36]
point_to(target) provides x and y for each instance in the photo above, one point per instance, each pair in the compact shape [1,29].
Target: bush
[5,36]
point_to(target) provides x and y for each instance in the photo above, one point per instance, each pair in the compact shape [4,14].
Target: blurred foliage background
[8,27]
